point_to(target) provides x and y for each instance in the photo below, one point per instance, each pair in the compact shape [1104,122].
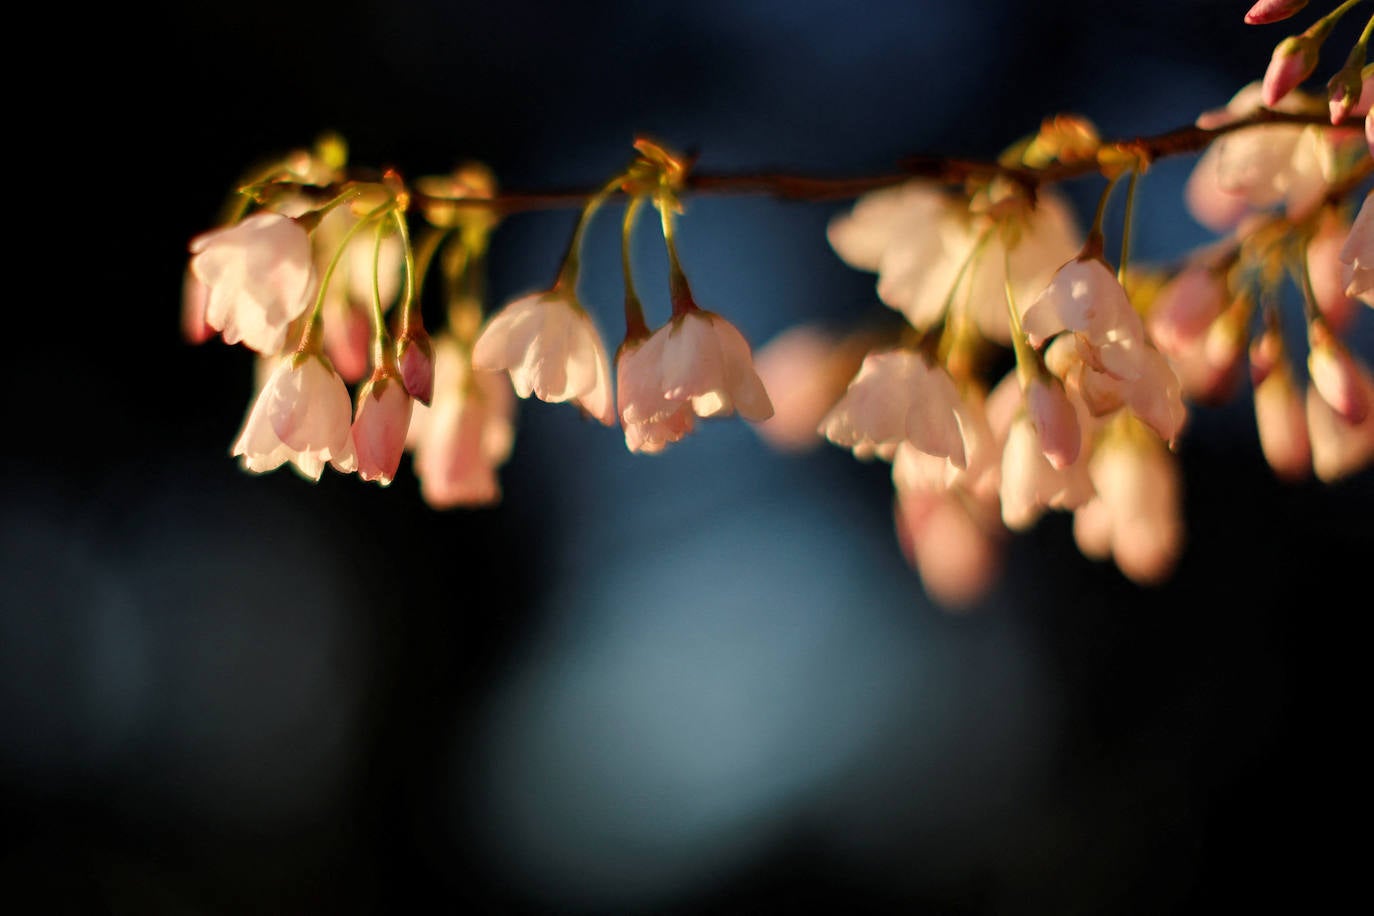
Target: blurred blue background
[702,682]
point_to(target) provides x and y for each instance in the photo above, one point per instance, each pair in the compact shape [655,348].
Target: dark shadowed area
[699,682]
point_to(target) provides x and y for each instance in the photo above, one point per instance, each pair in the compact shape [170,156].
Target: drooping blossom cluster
[1033,367]
[307,279]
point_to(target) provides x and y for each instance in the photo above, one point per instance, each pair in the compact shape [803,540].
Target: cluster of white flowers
[254,280]
[1085,421]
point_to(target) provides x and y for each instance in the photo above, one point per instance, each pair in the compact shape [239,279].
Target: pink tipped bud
[1336,376]
[1344,93]
[1282,422]
[1369,129]
[955,550]
[1267,11]
[1294,60]
[1185,307]
[379,428]
[415,356]
[1327,272]
[1266,353]
[1055,421]
[194,296]
[348,341]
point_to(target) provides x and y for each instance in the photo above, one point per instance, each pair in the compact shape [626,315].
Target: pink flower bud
[1265,355]
[1369,130]
[1339,448]
[415,356]
[348,340]
[1282,423]
[1267,11]
[1294,60]
[1327,272]
[1055,422]
[194,296]
[1185,307]
[379,428]
[1336,376]
[1343,92]
[805,371]
[956,553]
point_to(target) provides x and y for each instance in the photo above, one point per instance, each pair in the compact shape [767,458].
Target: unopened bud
[1282,423]
[195,295]
[1294,60]
[415,358]
[1336,376]
[1054,420]
[1344,92]
[379,428]
[1267,11]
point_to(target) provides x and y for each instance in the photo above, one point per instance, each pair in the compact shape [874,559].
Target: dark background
[703,682]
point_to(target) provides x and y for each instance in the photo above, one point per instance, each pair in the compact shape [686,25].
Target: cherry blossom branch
[946,170]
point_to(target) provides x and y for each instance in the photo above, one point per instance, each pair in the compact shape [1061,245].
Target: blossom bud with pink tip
[951,542]
[1137,484]
[415,358]
[194,296]
[1267,11]
[1336,375]
[348,340]
[1185,307]
[1294,60]
[379,427]
[805,371]
[1327,272]
[1347,94]
[1279,413]
[1055,422]
[1339,447]
[466,435]
[1357,254]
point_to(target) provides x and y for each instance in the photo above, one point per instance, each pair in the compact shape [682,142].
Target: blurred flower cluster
[1032,368]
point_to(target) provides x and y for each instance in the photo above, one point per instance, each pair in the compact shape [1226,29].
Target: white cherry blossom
[465,435]
[258,276]
[697,365]
[301,415]
[548,344]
